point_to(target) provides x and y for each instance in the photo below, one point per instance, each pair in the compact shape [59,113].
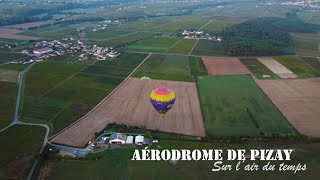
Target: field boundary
[195,44]
[201,109]
[206,24]
[101,100]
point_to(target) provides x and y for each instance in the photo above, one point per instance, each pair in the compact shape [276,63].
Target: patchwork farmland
[298,100]
[58,93]
[259,70]
[130,105]
[224,66]
[235,106]
[294,64]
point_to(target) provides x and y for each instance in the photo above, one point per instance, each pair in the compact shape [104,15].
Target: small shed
[139,140]
[117,138]
[129,140]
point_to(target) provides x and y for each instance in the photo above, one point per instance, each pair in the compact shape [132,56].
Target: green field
[125,167]
[171,67]
[257,68]
[182,24]
[217,25]
[312,61]
[10,56]
[208,48]
[142,25]
[61,68]
[297,66]
[46,75]
[126,60]
[126,40]
[105,34]
[19,146]
[108,71]
[183,47]
[154,45]
[235,106]
[37,109]
[8,94]
[16,67]
[56,31]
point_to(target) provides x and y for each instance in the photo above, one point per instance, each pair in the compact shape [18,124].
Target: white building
[42,51]
[129,140]
[139,140]
[117,138]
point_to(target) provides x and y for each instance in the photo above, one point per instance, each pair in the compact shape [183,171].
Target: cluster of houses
[199,34]
[47,49]
[99,27]
[121,139]
[10,45]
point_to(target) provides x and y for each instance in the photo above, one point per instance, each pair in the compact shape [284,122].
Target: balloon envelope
[162,99]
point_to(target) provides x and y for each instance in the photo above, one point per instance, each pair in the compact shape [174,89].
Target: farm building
[139,140]
[129,140]
[42,51]
[118,138]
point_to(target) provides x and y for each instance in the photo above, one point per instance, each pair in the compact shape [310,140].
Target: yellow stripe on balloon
[162,98]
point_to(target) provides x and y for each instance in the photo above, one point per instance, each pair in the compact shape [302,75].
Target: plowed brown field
[298,100]
[130,105]
[224,66]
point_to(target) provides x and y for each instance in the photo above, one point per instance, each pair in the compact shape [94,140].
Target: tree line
[264,36]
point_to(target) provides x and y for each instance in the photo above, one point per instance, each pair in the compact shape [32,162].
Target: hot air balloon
[162,99]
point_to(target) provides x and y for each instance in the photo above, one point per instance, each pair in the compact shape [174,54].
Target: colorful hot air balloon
[162,99]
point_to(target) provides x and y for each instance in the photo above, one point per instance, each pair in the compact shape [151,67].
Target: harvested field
[224,66]
[277,68]
[8,75]
[130,105]
[11,34]
[298,100]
